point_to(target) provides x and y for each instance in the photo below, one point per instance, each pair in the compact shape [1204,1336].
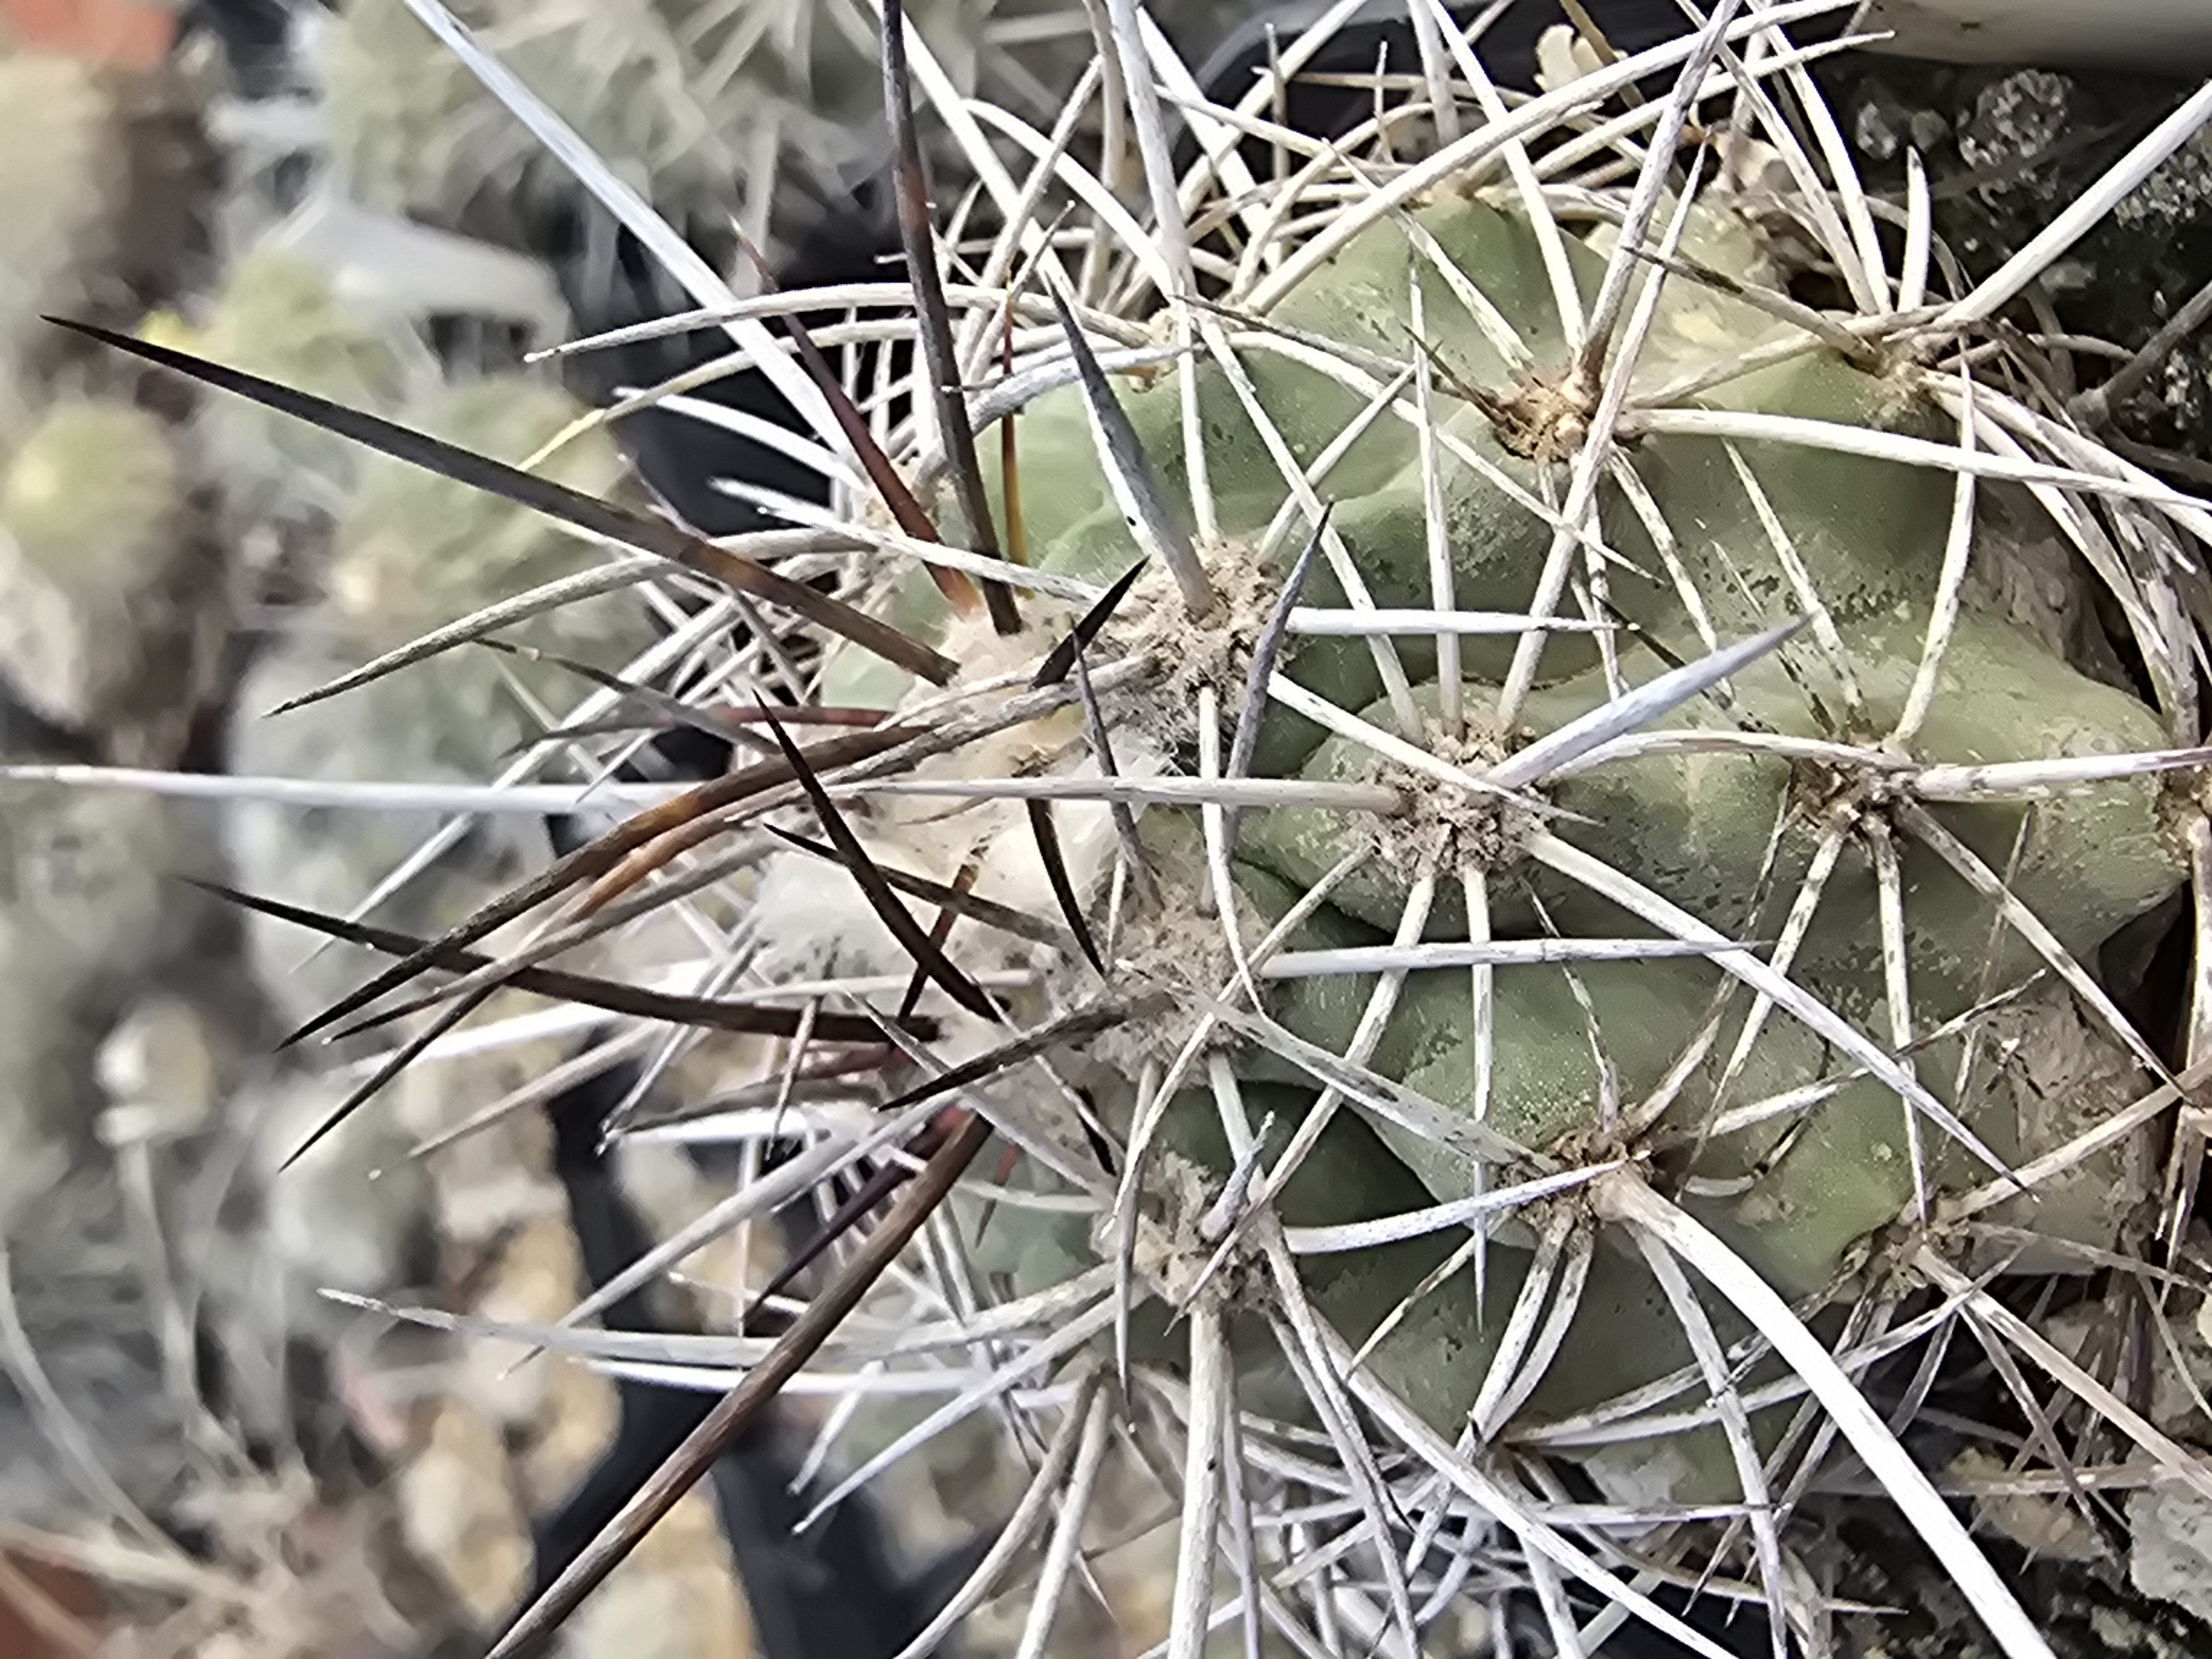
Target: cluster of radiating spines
[1255,579]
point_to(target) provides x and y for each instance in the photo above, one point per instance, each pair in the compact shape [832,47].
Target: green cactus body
[105,588]
[413,128]
[276,316]
[684,94]
[1717,833]
[61,126]
[92,495]
[415,551]
[1637,1074]
[87,911]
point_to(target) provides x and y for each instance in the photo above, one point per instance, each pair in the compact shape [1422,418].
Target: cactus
[113,605]
[412,129]
[764,109]
[1562,1060]
[275,315]
[684,94]
[64,115]
[107,173]
[87,913]
[1692,808]
[117,601]
[412,555]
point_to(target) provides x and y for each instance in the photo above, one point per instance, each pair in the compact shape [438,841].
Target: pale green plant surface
[57,109]
[411,552]
[275,315]
[115,600]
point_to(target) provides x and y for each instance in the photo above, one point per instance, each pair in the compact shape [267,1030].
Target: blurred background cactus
[410,553]
[767,110]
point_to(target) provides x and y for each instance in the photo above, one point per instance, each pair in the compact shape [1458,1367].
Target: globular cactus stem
[1775,959]
[118,596]
[1805,765]
[89,919]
